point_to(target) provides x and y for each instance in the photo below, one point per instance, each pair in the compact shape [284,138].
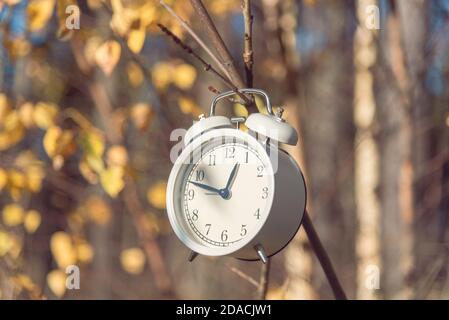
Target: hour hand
[206,187]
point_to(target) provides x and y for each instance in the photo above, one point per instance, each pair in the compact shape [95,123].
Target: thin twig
[186,26]
[231,99]
[217,42]
[207,66]
[323,258]
[221,49]
[248,42]
[264,280]
[243,275]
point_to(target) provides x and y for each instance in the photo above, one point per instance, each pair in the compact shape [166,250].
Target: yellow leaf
[33,171]
[39,13]
[13,215]
[61,247]
[184,76]
[58,142]
[97,210]
[161,75]
[141,115]
[87,172]
[136,39]
[108,55]
[5,107]
[117,156]
[112,181]
[156,195]
[93,145]
[132,260]
[240,110]
[85,252]
[32,221]
[188,106]
[44,114]
[26,112]
[3,178]
[135,74]
[6,243]
[92,45]
[56,281]
[94,4]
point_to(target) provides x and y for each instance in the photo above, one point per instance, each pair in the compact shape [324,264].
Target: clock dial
[225,193]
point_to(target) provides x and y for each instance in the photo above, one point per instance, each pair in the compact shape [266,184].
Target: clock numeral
[257,214]
[199,175]
[190,194]
[224,235]
[195,215]
[230,152]
[212,158]
[265,193]
[243,230]
[260,171]
[246,157]
[208,225]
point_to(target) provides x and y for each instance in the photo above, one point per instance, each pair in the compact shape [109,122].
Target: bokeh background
[85,123]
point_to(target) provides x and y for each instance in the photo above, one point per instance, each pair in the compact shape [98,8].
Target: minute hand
[206,187]
[232,176]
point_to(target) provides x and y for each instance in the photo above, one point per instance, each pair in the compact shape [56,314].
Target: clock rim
[178,228]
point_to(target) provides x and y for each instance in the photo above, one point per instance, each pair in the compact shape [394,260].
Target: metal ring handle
[245,90]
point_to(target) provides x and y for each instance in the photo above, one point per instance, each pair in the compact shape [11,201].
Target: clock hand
[232,176]
[206,187]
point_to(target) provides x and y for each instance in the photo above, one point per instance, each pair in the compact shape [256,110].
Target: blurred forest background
[85,122]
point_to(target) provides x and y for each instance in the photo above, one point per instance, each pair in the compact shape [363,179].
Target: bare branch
[243,275]
[207,66]
[323,258]
[264,279]
[221,49]
[197,38]
[248,58]
[217,42]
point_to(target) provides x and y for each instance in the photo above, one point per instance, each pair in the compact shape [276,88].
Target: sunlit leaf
[56,281]
[240,110]
[135,74]
[3,178]
[44,114]
[156,195]
[39,13]
[136,39]
[13,215]
[108,55]
[132,260]
[85,252]
[61,247]
[58,141]
[188,106]
[112,180]
[161,75]
[117,156]
[184,76]
[26,112]
[87,172]
[32,221]
[6,243]
[93,145]
[141,115]
[97,210]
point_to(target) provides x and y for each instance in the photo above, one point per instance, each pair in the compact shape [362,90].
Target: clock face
[225,193]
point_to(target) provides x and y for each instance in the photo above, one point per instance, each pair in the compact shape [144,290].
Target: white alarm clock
[236,193]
